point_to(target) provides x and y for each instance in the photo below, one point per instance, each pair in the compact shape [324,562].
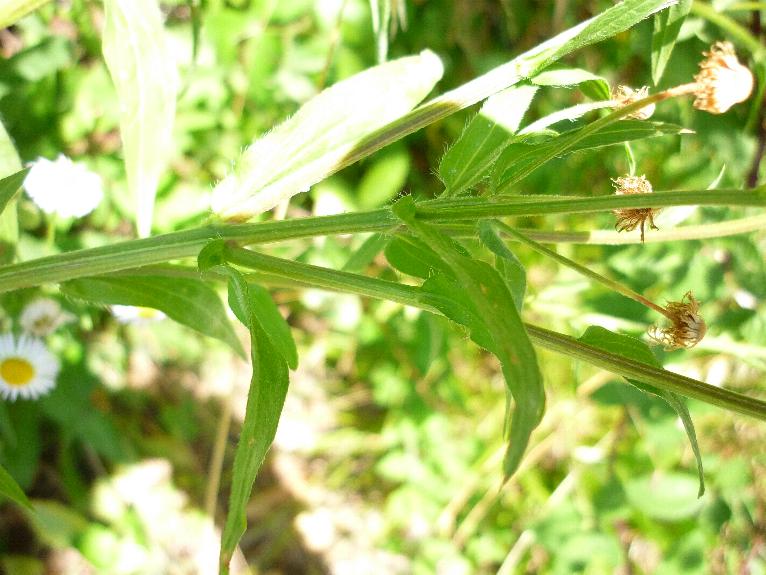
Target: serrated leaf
[476,296]
[188,301]
[506,262]
[10,489]
[471,157]
[633,348]
[9,187]
[520,160]
[144,74]
[311,144]
[593,85]
[265,400]
[667,25]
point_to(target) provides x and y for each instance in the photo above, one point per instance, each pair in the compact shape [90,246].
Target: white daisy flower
[43,316]
[63,187]
[27,369]
[136,314]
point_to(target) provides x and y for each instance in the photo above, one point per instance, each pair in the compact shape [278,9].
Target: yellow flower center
[17,371]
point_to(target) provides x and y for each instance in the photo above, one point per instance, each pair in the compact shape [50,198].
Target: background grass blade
[145,76]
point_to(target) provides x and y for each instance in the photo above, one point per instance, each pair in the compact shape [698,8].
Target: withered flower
[686,329]
[628,219]
[722,81]
[625,95]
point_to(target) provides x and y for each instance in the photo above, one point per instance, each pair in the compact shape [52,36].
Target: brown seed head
[722,81]
[628,219]
[686,329]
[625,95]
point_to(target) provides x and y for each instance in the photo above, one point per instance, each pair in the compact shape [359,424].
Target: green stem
[610,283]
[288,271]
[167,247]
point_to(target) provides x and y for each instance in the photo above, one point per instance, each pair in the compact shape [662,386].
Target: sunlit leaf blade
[667,25]
[592,85]
[506,262]
[9,187]
[265,400]
[312,143]
[11,11]
[10,489]
[10,164]
[188,301]
[520,160]
[476,288]
[473,154]
[540,127]
[144,73]
[633,348]
[381,20]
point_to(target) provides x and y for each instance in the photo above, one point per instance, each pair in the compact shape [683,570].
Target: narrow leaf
[473,154]
[414,257]
[265,400]
[667,25]
[367,252]
[9,187]
[635,349]
[520,160]
[144,74]
[311,144]
[493,317]
[249,301]
[188,301]
[506,262]
[10,489]
[10,165]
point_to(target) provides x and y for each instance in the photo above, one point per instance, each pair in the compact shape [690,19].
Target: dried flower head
[722,81]
[625,95]
[628,219]
[686,329]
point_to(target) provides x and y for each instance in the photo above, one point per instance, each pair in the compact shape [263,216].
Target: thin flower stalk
[686,329]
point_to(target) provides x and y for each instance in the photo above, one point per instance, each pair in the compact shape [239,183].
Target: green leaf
[413,256]
[479,298]
[11,11]
[506,262]
[251,300]
[592,85]
[520,160]
[10,489]
[10,165]
[633,348]
[265,400]
[539,128]
[473,154]
[188,301]
[667,25]
[315,140]
[9,187]
[364,255]
[144,73]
